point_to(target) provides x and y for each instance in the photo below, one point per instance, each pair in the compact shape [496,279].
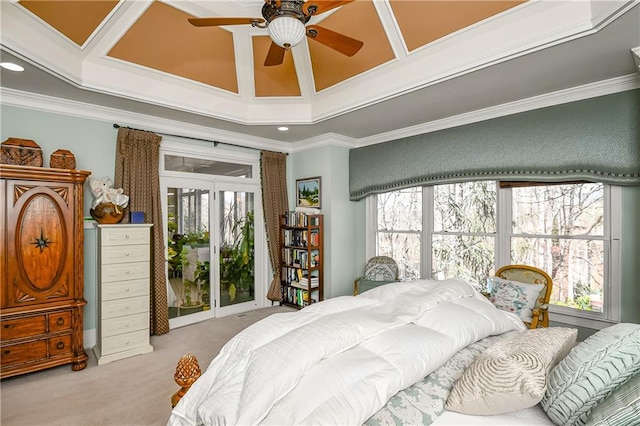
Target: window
[399,229]
[467,229]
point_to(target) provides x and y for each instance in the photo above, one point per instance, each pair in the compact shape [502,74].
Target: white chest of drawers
[124,270]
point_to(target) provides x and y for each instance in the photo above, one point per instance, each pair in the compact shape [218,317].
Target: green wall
[331,163]
[630,247]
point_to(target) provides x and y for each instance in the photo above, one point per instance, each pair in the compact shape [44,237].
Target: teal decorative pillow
[622,407]
[513,296]
[591,372]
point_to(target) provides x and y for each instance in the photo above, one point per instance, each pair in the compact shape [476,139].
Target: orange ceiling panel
[279,80]
[357,20]
[422,22]
[77,20]
[164,40]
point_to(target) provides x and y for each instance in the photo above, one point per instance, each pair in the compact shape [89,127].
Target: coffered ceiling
[422,60]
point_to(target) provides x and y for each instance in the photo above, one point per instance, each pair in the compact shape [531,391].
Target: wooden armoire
[42,283]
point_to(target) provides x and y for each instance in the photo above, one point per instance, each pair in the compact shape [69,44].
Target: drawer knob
[60,345]
[60,321]
[126,237]
[6,352]
[126,272]
[126,307]
[7,326]
[126,289]
[127,254]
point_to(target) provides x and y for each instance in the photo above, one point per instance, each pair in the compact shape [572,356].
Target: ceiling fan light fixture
[286,31]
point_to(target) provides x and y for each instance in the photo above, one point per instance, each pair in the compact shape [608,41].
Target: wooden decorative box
[62,159]
[21,152]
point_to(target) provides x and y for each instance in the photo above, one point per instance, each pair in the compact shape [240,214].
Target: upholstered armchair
[521,275]
[379,270]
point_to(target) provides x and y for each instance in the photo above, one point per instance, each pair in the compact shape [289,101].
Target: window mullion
[426,245]
[504,228]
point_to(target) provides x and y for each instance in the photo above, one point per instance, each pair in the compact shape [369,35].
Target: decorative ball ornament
[187,372]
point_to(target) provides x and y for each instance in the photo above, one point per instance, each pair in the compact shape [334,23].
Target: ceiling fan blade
[214,22]
[322,6]
[275,56]
[340,42]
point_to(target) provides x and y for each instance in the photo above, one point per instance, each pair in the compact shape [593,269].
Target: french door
[215,245]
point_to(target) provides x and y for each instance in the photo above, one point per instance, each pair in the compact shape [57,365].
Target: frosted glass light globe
[286,31]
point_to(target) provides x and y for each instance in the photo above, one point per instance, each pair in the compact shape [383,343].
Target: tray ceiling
[147,51]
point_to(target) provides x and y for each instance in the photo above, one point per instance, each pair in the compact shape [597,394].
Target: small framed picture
[308,192]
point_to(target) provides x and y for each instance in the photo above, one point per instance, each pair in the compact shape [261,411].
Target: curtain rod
[215,143]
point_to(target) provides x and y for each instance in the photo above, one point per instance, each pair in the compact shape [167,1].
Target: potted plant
[237,258]
[187,275]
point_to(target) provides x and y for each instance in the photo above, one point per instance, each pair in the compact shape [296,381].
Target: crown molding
[593,90]
[38,102]
[55,105]
[327,139]
[636,57]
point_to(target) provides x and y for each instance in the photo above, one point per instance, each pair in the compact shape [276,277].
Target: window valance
[595,140]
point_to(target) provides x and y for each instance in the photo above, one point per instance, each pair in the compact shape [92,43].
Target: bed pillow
[591,372]
[511,374]
[622,407]
[514,296]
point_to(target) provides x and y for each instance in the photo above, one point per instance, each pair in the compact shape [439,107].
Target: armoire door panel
[41,242]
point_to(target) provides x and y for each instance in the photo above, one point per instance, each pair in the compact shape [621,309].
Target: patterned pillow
[592,371]
[513,296]
[511,374]
[380,272]
[622,407]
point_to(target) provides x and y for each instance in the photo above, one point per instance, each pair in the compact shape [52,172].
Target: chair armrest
[355,284]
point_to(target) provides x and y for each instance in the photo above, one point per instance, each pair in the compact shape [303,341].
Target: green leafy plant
[238,257]
[177,251]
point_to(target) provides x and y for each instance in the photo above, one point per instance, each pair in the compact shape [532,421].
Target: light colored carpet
[132,391]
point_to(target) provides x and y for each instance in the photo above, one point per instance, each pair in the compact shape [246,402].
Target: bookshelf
[301,259]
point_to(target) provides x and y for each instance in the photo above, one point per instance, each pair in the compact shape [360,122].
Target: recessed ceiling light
[283,128]
[11,66]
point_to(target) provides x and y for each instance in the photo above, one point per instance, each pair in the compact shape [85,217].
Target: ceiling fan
[286,22]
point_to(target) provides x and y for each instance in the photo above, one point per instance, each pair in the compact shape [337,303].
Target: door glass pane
[188,251]
[561,231]
[465,256]
[237,254]
[206,166]
[404,248]
[575,265]
[468,207]
[399,224]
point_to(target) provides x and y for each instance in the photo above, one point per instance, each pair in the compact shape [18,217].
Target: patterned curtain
[137,158]
[273,173]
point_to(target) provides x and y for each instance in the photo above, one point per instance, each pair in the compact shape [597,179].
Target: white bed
[388,356]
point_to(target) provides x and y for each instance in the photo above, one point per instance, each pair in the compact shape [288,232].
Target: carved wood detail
[43,246]
[22,297]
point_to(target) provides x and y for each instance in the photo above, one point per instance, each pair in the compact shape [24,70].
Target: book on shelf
[304,286]
[298,219]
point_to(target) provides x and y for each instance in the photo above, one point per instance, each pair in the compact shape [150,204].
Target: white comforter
[339,361]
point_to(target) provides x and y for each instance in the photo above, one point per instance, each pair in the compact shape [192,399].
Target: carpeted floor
[132,391]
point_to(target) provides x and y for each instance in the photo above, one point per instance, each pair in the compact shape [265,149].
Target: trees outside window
[457,230]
